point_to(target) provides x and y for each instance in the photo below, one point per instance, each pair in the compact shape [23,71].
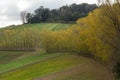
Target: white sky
[10,9]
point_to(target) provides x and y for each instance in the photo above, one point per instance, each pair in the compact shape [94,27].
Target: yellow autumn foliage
[94,35]
[23,39]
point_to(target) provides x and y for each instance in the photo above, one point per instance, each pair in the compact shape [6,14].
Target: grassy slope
[13,60]
[57,64]
[89,71]
[41,26]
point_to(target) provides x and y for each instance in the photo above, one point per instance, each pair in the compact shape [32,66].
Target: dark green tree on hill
[45,15]
[64,14]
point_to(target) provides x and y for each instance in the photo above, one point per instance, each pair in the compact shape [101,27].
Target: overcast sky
[10,9]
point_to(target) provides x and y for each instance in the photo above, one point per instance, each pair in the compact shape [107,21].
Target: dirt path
[90,71]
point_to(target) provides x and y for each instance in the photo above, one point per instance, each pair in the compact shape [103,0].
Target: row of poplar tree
[22,39]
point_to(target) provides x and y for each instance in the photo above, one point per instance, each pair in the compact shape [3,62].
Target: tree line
[67,13]
[90,36]
[19,40]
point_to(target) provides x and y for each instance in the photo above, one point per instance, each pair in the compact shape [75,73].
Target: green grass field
[41,26]
[39,65]
[13,60]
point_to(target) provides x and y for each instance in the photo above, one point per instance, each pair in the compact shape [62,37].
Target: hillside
[40,65]
[72,42]
[41,26]
[43,65]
